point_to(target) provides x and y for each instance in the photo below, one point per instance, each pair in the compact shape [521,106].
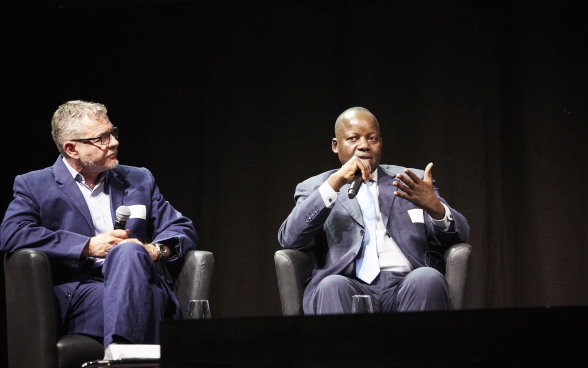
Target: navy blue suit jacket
[50,214]
[335,234]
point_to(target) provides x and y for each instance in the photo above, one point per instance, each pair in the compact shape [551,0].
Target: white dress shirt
[98,201]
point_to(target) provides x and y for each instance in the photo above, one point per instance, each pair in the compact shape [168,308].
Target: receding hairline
[354,109]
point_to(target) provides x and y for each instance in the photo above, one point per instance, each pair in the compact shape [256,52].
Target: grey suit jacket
[335,234]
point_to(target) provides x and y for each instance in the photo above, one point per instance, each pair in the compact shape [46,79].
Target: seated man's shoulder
[318,179]
[38,175]
[125,169]
[392,170]
[131,173]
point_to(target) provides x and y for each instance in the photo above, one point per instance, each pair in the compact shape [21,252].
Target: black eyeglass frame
[102,138]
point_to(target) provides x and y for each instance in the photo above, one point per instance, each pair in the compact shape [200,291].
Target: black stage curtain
[230,106]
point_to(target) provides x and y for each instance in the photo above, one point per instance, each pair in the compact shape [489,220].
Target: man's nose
[363,144]
[113,142]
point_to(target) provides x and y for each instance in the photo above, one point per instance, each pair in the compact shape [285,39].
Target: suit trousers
[423,289]
[127,299]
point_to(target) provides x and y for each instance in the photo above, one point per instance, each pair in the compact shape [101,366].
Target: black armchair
[294,267]
[33,339]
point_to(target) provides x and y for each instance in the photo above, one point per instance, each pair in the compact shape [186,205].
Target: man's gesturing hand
[346,173]
[420,192]
[99,245]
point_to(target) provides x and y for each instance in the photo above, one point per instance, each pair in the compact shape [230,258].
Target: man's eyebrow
[108,131]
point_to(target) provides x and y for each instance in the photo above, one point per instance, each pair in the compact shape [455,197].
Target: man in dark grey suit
[387,242]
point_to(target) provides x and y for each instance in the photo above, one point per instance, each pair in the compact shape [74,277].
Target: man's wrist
[161,251]
[438,213]
[446,221]
[336,181]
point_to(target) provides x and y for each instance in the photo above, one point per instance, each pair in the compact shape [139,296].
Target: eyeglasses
[104,139]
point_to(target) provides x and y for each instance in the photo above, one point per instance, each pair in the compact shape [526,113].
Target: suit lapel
[350,205]
[386,194]
[116,191]
[70,188]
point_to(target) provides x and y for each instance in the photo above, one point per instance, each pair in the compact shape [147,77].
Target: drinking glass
[198,309]
[361,304]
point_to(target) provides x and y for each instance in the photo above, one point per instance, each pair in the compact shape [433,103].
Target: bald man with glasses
[105,279]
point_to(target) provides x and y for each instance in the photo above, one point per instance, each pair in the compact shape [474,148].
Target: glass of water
[198,309]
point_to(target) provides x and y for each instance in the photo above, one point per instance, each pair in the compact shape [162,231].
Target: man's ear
[334,145]
[71,149]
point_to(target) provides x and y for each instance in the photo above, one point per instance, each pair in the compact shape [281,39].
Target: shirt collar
[78,177]
[375,173]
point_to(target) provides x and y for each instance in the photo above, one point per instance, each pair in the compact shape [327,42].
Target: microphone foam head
[123,213]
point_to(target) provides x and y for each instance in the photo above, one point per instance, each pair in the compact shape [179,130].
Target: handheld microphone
[122,215]
[355,185]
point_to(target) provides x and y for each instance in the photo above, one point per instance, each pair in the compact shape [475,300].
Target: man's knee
[333,295]
[334,283]
[427,277]
[126,256]
[423,289]
[126,251]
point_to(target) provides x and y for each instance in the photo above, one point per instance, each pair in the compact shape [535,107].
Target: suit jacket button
[68,295]
[361,232]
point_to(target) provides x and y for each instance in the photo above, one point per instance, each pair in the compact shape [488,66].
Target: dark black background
[230,105]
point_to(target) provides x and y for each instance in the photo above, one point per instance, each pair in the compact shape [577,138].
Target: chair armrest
[30,310]
[293,268]
[194,279]
[457,258]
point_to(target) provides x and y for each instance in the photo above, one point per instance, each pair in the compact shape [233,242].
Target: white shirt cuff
[445,222]
[328,194]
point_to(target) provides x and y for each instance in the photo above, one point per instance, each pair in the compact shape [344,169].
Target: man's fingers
[121,234]
[408,182]
[402,186]
[367,171]
[428,172]
[355,164]
[412,176]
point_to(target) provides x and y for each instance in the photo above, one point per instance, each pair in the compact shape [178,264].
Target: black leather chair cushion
[75,350]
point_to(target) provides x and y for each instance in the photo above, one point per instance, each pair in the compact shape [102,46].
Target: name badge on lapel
[416,215]
[138,211]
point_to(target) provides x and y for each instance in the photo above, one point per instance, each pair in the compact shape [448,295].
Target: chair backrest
[294,268]
[457,259]
[194,278]
[31,320]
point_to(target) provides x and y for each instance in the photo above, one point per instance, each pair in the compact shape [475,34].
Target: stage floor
[530,337]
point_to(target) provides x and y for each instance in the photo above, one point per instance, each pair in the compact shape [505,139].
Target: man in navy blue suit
[387,242]
[106,282]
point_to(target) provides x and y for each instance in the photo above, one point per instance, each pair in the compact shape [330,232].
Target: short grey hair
[66,121]
[356,109]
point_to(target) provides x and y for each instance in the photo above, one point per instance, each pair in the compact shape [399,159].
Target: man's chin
[112,165]
[100,168]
